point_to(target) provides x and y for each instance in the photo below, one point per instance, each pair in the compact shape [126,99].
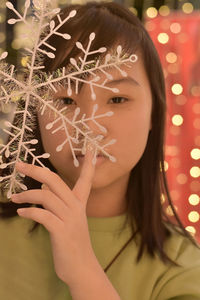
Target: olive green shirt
[27,270]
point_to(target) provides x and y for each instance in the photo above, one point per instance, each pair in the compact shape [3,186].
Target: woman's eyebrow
[123,80]
[127,79]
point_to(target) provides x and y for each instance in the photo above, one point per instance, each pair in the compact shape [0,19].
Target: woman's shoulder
[182,281]
[181,248]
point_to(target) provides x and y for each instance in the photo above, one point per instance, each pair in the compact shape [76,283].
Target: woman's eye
[67,100]
[117,100]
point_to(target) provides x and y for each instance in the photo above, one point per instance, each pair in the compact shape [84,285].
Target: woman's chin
[100,179]
[98,161]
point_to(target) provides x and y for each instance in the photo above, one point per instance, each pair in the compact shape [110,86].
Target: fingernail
[14,197]
[44,187]
[20,211]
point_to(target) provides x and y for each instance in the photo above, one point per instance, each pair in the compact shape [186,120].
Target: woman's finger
[44,187]
[49,178]
[45,198]
[42,216]
[84,183]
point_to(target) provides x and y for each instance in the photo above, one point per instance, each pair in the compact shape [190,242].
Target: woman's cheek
[132,139]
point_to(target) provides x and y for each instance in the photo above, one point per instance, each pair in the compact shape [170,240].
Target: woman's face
[129,125]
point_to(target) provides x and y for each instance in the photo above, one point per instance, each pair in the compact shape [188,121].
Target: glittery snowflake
[33,89]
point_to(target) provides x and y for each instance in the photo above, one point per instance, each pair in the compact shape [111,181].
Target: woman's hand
[64,216]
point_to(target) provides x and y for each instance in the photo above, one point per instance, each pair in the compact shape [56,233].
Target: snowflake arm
[83,69]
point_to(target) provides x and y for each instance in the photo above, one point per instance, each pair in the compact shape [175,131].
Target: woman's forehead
[129,74]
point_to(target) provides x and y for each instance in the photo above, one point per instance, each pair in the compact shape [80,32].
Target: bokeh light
[181,178]
[177,89]
[195,153]
[164,10]
[193,216]
[194,199]
[175,27]
[187,8]
[151,12]
[166,165]
[171,57]
[191,230]
[163,38]
[195,172]
[177,120]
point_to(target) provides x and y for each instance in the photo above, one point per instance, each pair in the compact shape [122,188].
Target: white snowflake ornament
[33,88]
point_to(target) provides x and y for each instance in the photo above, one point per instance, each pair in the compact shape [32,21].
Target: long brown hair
[114,24]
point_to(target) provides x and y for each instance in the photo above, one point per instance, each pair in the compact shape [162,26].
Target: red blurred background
[177,39]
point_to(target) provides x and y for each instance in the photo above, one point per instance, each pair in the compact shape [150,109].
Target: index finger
[84,183]
[47,177]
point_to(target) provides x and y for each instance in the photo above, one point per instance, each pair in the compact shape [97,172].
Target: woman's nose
[93,120]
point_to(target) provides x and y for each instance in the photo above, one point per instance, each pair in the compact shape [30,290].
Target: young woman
[101,231]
